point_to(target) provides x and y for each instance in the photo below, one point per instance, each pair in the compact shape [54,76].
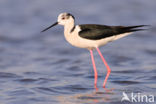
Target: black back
[96,32]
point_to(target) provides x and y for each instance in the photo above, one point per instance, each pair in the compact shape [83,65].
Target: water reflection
[88,98]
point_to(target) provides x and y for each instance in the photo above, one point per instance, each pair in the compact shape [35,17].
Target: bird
[92,36]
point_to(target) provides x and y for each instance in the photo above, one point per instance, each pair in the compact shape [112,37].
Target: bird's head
[63,19]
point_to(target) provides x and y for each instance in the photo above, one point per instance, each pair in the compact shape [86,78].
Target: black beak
[50,26]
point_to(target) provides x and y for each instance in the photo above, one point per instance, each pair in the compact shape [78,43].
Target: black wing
[95,32]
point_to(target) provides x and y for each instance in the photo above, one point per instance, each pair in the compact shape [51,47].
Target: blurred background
[42,68]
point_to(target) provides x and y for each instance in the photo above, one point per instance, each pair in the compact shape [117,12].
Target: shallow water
[43,68]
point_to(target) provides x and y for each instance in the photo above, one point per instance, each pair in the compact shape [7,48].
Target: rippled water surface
[42,68]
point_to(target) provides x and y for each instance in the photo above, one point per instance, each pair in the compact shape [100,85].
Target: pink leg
[95,71]
[108,69]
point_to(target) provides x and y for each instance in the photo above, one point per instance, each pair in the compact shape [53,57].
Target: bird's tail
[135,28]
[126,30]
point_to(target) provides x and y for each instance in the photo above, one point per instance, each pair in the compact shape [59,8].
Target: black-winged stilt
[92,36]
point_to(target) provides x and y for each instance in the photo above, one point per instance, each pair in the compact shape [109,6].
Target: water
[44,69]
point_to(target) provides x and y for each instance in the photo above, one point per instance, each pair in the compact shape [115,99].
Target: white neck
[69,26]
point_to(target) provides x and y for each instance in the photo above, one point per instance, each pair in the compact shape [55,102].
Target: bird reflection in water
[91,98]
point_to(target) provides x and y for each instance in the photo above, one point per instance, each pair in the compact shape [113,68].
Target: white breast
[74,39]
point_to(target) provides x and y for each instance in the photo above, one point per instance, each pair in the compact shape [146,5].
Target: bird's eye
[63,18]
